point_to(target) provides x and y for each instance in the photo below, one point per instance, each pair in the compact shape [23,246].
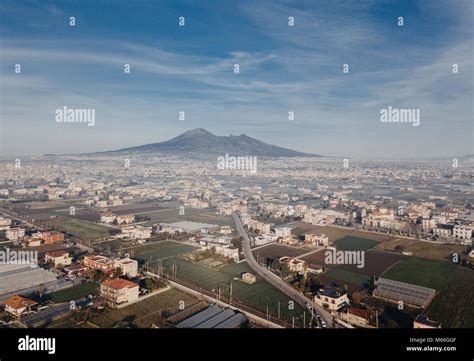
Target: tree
[149,283]
[302,284]
[118,271]
[96,275]
[356,297]
[399,249]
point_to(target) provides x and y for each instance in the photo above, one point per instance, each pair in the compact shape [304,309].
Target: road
[274,279]
[12,215]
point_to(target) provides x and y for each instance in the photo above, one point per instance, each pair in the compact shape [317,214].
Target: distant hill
[201,142]
[468,158]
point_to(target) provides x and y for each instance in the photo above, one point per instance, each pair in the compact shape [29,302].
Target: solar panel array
[405,292]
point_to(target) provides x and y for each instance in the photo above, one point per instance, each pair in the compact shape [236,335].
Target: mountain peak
[199,141]
[197,132]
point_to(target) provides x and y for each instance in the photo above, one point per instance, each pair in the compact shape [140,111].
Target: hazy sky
[282,69]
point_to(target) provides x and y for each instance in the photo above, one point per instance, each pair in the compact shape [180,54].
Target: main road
[274,279]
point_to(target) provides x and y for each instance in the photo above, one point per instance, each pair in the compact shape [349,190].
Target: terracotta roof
[56,254]
[119,283]
[358,312]
[17,302]
[75,267]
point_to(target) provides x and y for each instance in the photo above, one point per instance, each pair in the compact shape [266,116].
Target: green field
[346,276]
[145,312]
[75,292]
[258,295]
[453,307]
[422,272]
[83,229]
[161,250]
[351,243]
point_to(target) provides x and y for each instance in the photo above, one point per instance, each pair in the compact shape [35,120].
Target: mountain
[201,142]
[468,158]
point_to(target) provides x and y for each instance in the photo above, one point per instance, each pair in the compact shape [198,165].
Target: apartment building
[136,232]
[316,239]
[443,230]
[18,305]
[294,264]
[5,223]
[98,262]
[331,299]
[125,219]
[58,258]
[14,234]
[118,291]
[128,266]
[49,237]
[282,231]
[462,232]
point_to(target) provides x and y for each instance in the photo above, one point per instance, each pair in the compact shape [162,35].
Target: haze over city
[282,69]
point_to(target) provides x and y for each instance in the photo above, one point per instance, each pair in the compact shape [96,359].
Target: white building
[117,291]
[125,219]
[128,266]
[227,251]
[316,239]
[441,231]
[13,234]
[107,217]
[136,232]
[462,232]
[264,239]
[294,264]
[58,258]
[428,224]
[5,223]
[331,299]
[282,231]
[18,305]
[225,230]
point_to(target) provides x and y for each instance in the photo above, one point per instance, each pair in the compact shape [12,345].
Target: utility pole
[278,309]
[293,321]
[304,319]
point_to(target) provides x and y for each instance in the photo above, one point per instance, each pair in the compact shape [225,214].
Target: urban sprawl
[170,241]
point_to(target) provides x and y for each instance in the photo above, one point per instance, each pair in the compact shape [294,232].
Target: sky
[283,69]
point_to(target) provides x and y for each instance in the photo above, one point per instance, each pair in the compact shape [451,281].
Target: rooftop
[17,302]
[329,292]
[426,321]
[56,254]
[119,283]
